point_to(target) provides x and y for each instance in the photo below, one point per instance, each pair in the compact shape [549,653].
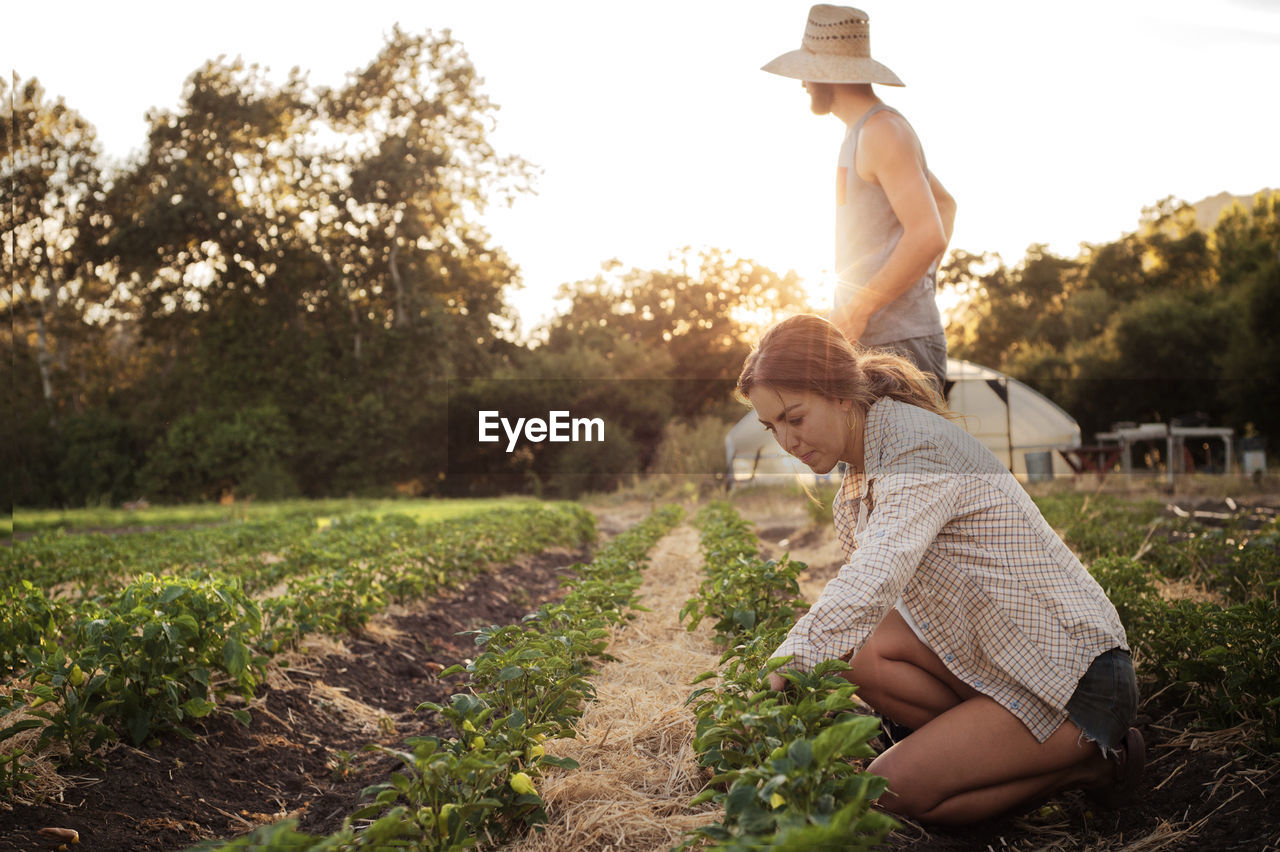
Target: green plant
[1222,662]
[160,645]
[528,682]
[785,763]
[28,618]
[441,799]
[742,723]
[13,769]
[808,789]
[339,764]
[748,595]
[543,676]
[1129,584]
[67,699]
[282,835]
[205,453]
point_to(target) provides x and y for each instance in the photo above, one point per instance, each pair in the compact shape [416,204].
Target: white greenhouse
[1020,425]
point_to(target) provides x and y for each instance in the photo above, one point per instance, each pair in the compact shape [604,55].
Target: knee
[907,796]
[868,669]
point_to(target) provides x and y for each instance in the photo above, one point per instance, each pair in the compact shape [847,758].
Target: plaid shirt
[938,526]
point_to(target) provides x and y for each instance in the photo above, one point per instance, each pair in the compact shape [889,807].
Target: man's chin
[821,98]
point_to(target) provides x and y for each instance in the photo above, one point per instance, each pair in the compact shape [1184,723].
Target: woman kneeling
[963,615]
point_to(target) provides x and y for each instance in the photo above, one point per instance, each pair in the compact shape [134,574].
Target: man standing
[893,217]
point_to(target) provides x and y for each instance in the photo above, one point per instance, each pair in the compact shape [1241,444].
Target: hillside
[1208,210]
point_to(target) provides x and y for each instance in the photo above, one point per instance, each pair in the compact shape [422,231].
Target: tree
[50,188]
[1246,245]
[703,318]
[1005,306]
[50,207]
[1165,321]
[1176,251]
[316,250]
[424,169]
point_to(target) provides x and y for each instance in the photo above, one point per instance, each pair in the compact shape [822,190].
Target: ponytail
[807,353]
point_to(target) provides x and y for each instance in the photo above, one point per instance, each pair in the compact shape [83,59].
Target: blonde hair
[808,353]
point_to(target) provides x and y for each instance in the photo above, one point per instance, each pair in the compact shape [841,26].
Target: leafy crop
[746,594]
[1222,660]
[785,763]
[529,682]
[168,636]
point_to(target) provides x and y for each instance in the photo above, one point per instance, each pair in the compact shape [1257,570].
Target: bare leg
[978,760]
[969,758]
[902,678]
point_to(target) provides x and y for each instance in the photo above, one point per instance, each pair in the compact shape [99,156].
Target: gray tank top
[866,233]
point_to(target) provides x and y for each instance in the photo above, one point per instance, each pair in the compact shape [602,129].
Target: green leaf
[510,673]
[741,796]
[235,656]
[172,593]
[198,708]
[138,725]
[801,751]
[847,738]
[702,798]
[18,727]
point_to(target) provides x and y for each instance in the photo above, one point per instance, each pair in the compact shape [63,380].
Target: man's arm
[889,155]
[946,207]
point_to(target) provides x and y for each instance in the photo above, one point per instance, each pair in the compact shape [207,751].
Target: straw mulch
[637,768]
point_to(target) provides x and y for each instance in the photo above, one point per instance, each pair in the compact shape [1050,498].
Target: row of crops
[530,682]
[106,637]
[1214,652]
[780,761]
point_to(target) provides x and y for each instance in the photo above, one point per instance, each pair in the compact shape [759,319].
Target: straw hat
[836,49]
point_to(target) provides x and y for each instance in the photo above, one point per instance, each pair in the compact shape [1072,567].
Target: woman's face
[811,427]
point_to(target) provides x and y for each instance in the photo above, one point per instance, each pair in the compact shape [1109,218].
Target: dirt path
[637,767]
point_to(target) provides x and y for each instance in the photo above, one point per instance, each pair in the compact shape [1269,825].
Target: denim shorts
[929,353]
[1105,702]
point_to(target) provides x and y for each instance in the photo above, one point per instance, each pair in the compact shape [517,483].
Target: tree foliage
[1164,322]
[702,318]
[288,290]
[313,250]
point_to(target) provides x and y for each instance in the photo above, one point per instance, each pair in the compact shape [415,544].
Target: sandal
[1127,769]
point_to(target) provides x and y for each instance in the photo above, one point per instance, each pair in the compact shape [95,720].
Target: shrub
[206,453]
[99,461]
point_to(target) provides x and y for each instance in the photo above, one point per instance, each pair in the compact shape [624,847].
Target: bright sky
[654,127]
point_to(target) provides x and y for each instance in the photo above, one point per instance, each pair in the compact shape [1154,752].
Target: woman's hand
[777,682]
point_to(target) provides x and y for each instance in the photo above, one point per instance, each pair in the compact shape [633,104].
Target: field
[356,675]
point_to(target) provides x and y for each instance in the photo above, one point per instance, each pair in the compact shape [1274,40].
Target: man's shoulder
[888,131]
